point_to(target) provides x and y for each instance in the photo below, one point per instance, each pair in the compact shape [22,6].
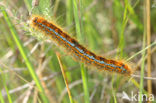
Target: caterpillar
[77,51]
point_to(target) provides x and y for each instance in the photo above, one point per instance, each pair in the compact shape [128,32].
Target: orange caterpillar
[78,51]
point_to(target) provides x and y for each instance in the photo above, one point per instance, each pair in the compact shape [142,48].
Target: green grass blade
[1,98]
[143,59]
[137,85]
[113,91]
[142,71]
[122,41]
[69,14]
[79,37]
[133,16]
[24,55]
[2,81]
[28,4]
[8,94]
[85,83]
[77,21]
[141,51]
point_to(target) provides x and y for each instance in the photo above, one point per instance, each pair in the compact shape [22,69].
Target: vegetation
[34,70]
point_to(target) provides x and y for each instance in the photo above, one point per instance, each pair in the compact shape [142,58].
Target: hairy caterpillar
[78,51]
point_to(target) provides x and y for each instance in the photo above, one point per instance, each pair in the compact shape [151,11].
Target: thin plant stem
[148,32]
[65,78]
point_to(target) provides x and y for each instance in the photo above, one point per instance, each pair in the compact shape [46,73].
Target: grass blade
[142,65]
[1,98]
[24,55]
[65,79]
[79,37]
[85,83]
[148,27]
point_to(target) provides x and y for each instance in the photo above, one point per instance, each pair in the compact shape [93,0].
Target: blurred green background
[116,29]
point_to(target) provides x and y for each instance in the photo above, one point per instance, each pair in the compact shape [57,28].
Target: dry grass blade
[65,78]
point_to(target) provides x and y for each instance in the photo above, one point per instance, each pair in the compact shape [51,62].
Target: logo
[137,97]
